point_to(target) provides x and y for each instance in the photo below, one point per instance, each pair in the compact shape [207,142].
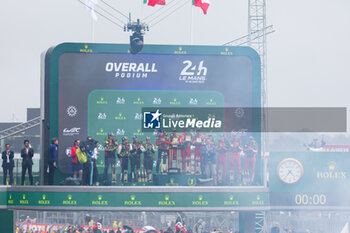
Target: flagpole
[192,26]
[92,30]
[142,10]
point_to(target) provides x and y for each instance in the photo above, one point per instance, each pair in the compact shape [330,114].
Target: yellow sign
[24,201]
[138,101]
[69,201]
[101,133]
[167,201]
[120,117]
[102,101]
[99,201]
[132,201]
[258,201]
[231,201]
[211,102]
[175,102]
[10,201]
[85,49]
[226,52]
[180,51]
[200,202]
[332,173]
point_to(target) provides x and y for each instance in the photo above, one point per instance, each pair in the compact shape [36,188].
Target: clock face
[290,171]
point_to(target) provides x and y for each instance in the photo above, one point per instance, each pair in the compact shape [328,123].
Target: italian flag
[204,4]
[154,2]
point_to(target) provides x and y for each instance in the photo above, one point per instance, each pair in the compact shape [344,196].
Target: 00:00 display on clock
[314,199]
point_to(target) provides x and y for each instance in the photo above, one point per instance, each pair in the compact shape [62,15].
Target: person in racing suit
[135,158]
[235,150]
[149,156]
[198,141]
[163,142]
[123,154]
[222,149]
[185,140]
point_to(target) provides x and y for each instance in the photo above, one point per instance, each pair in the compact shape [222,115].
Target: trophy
[198,166]
[174,156]
[231,176]
[114,174]
[164,162]
[220,176]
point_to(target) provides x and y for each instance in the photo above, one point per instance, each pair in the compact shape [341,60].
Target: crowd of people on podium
[225,158]
[220,158]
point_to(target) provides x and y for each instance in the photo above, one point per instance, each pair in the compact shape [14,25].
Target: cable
[101,14]
[170,13]
[167,10]
[115,9]
[111,14]
[159,9]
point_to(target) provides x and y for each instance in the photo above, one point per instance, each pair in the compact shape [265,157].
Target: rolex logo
[180,48]
[258,197]
[200,197]
[86,46]
[24,197]
[44,197]
[99,197]
[226,49]
[231,197]
[331,165]
[166,197]
[132,197]
[69,197]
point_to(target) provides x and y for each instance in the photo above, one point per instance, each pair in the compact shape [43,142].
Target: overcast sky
[308,55]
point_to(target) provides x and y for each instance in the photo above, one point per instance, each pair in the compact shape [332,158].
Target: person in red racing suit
[198,141]
[185,142]
[222,159]
[235,159]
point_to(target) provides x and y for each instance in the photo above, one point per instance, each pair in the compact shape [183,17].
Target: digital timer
[313,199]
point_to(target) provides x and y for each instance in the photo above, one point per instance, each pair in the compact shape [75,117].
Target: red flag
[204,4]
[156,2]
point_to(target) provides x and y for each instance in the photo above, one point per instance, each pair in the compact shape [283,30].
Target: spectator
[52,159]
[76,166]
[27,154]
[275,228]
[8,163]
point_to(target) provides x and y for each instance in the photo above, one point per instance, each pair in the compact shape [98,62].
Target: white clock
[290,171]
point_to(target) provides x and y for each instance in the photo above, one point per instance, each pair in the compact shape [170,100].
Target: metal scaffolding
[19,128]
[256,24]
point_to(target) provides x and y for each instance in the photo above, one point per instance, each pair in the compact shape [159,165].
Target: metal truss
[19,128]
